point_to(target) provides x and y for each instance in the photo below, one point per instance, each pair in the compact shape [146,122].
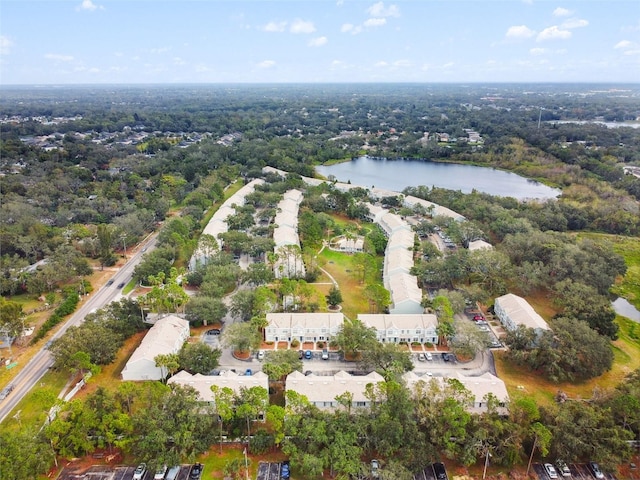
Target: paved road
[35,369]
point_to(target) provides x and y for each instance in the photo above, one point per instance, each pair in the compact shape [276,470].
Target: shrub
[295,343]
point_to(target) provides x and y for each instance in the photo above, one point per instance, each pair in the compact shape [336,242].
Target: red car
[478,318]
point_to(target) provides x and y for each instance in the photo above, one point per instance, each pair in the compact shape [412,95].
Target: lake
[624,308]
[397,174]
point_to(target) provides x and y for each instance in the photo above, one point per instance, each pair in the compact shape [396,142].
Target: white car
[551,471]
[429,356]
[421,357]
[260,355]
[138,473]
[160,473]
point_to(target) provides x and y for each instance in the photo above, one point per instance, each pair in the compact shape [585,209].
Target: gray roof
[520,312]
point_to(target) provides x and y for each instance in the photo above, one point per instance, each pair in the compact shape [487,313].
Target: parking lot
[579,471]
[106,472]
[268,471]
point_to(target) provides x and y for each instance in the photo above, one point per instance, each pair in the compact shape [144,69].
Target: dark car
[196,471]
[285,472]
[300,354]
[121,284]
[449,357]
[110,282]
[439,471]
[308,354]
[213,331]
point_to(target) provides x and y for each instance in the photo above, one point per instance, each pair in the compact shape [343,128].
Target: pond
[397,174]
[624,308]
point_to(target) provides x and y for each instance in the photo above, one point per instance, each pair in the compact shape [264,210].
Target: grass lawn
[626,352]
[339,265]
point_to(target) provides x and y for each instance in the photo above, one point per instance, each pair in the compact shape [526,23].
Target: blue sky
[318,41]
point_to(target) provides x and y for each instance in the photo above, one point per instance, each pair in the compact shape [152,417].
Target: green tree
[280,363]
[250,403]
[355,337]
[334,298]
[198,358]
[241,337]
[168,363]
[202,310]
[388,359]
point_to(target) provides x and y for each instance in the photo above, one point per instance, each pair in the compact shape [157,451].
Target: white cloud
[302,26]
[403,63]
[58,58]
[267,64]
[380,64]
[178,61]
[561,12]
[537,51]
[275,27]
[553,33]
[5,45]
[375,22]
[379,10]
[575,23]
[89,6]
[347,27]
[202,68]
[622,44]
[318,42]
[520,31]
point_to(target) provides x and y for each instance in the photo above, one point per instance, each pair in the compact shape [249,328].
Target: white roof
[305,320]
[227,378]
[294,195]
[166,336]
[391,222]
[286,218]
[520,312]
[398,260]
[438,210]
[285,235]
[319,388]
[399,321]
[479,245]
[404,287]
[401,239]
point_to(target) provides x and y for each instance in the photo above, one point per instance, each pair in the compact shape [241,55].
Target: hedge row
[67,307]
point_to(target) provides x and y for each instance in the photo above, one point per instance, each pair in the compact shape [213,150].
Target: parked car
[325,354]
[550,470]
[300,354]
[440,471]
[428,356]
[248,372]
[285,471]
[260,355]
[563,468]
[173,472]
[213,331]
[375,466]
[139,472]
[421,357]
[478,318]
[160,473]
[308,355]
[196,471]
[595,470]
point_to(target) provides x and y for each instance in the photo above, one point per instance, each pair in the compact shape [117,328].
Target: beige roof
[520,312]
[286,218]
[438,210]
[404,287]
[478,386]
[285,235]
[391,222]
[399,321]
[293,194]
[479,245]
[401,239]
[398,260]
[326,388]
[288,205]
[227,378]
[166,336]
[304,320]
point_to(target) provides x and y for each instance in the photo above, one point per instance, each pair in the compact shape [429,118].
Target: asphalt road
[33,371]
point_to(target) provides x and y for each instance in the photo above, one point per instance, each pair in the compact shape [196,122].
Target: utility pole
[486,462]
[124,245]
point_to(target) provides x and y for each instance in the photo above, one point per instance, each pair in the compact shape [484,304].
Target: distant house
[398,328]
[304,327]
[479,245]
[513,311]
[166,336]
[322,390]
[227,379]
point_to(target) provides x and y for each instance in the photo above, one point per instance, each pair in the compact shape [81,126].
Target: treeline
[406,429]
